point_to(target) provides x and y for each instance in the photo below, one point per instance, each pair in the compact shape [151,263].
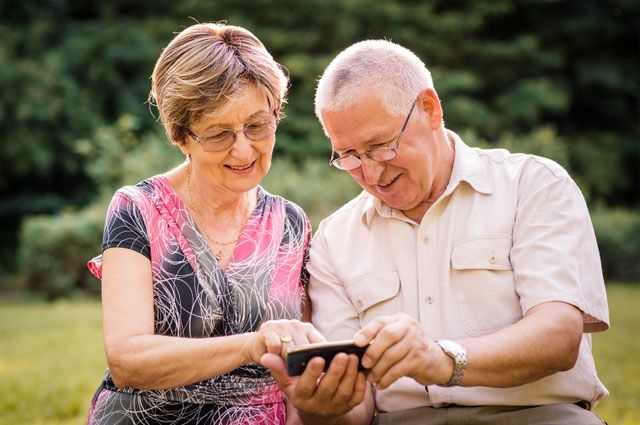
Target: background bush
[618,233]
[556,78]
[54,251]
[316,187]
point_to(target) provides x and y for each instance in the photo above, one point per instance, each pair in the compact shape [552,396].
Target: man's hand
[400,348]
[544,342]
[320,397]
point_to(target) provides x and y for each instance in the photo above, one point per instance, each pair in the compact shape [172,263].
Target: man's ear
[429,102]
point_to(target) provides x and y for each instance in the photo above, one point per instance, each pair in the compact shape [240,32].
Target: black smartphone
[298,357]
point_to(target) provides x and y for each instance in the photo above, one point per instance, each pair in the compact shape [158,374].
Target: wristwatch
[459,355]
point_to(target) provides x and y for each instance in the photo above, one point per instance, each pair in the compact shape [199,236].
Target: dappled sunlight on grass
[14,367]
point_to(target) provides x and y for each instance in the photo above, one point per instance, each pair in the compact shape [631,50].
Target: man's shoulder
[520,164]
[352,210]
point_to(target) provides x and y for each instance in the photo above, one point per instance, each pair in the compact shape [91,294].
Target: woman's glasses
[220,140]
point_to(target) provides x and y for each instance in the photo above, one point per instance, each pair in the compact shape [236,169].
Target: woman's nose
[242,147]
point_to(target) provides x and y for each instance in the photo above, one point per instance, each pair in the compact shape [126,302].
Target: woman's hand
[275,335]
[325,398]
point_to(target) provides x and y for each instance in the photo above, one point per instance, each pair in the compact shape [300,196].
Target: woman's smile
[242,169]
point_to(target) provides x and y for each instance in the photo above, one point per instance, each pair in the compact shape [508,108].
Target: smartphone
[298,357]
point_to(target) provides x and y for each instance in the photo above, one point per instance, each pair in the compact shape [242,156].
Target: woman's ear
[429,102]
[184,147]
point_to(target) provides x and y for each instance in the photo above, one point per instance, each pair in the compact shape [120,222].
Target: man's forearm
[544,342]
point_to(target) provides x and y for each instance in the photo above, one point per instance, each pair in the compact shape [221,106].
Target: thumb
[366,334]
[276,366]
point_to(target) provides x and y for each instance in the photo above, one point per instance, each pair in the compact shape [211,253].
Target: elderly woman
[202,269]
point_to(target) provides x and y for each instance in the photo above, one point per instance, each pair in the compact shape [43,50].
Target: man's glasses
[224,139]
[386,153]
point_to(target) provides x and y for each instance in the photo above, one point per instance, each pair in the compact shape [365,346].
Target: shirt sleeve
[555,254]
[125,227]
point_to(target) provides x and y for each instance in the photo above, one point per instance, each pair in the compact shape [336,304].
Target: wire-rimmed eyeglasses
[223,139]
[385,153]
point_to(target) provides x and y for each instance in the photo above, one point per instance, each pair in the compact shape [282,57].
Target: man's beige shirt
[510,231]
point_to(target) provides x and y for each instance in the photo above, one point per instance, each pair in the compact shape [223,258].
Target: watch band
[459,355]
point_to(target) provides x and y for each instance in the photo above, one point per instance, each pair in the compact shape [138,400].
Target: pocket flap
[372,289]
[487,252]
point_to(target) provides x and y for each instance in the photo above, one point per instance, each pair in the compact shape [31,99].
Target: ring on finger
[285,339]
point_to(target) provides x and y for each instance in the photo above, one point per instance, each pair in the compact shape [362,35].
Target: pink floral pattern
[195,298]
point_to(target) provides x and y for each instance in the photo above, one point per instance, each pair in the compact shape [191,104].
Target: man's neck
[440,182]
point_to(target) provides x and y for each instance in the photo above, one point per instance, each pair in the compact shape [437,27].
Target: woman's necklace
[220,245]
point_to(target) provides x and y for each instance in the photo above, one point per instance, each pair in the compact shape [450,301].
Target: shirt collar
[467,167]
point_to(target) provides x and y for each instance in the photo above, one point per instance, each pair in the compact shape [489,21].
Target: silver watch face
[459,355]
[451,347]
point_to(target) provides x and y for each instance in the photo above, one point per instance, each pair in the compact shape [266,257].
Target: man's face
[404,183]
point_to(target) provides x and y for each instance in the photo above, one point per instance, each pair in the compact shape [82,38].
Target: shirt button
[493,259]
[428,300]
[425,239]
[359,303]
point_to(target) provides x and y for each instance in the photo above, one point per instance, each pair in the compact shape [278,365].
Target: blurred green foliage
[618,233]
[317,188]
[556,78]
[54,251]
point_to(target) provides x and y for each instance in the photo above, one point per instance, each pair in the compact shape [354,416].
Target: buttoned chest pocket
[483,282]
[374,295]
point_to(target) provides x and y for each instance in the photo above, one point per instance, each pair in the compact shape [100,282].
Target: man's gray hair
[379,67]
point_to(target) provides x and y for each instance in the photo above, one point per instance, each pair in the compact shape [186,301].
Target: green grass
[616,352]
[52,360]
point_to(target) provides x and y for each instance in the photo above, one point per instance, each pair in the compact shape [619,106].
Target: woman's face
[241,166]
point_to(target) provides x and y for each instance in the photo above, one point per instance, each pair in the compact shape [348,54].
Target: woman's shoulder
[143,195]
[150,185]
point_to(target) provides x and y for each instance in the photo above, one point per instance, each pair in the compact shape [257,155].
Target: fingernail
[367,363]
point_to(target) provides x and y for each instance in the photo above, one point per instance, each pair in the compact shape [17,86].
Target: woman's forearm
[158,362]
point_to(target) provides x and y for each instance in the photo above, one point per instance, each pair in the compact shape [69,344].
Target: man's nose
[371,170]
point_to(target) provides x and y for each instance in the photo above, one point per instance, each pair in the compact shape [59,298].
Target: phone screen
[298,357]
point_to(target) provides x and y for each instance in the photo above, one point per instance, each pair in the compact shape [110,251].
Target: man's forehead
[359,125]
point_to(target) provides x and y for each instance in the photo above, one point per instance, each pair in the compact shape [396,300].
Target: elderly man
[474,274]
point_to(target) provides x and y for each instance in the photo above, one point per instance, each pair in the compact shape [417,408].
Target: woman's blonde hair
[207,66]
